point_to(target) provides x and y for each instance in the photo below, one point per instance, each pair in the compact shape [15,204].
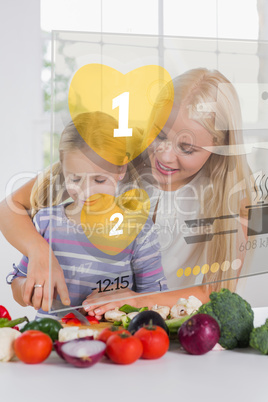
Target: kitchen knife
[57,305]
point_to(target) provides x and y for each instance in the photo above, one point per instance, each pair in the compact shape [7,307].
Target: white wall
[20,105]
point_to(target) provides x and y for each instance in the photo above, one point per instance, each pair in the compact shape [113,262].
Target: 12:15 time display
[121,283]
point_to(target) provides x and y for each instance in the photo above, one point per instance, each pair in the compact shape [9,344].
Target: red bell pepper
[92,320]
[74,322]
[67,317]
[4,313]
[70,319]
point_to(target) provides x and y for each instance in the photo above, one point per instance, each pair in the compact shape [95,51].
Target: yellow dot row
[236,264]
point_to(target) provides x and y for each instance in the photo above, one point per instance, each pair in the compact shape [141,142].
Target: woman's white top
[174,208]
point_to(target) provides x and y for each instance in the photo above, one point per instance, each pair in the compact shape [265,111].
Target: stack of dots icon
[204,269]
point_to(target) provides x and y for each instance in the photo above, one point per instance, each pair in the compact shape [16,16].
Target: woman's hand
[105,301]
[38,274]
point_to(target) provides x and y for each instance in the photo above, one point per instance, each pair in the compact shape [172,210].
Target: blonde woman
[197,177]
[198,186]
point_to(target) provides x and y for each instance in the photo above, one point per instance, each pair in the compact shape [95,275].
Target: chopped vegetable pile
[137,332]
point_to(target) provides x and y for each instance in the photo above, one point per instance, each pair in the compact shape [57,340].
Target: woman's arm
[15,223]
[162,299]
[17,227]
[148,271]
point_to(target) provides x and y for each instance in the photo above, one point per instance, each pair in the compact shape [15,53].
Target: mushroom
[133,314]
[114,315]
[162,310]
[185,307]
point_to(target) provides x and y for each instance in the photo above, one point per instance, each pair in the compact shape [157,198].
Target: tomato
[155,341]
[105,334]
[123,348]
[33,346]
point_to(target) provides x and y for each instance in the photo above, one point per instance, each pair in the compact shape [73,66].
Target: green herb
[127,308]
[117,323]
[125,321]
[175,323]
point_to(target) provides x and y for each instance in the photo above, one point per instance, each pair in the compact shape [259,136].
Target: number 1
[122,101]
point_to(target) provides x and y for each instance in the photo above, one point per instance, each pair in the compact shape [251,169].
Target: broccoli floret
[259,338]
[234,315]
[207,309]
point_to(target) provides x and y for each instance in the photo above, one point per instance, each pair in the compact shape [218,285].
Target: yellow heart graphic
[110,223]
[128,98]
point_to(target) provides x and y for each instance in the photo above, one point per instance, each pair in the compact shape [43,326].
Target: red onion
[81,352]
[199,334]
[58,345]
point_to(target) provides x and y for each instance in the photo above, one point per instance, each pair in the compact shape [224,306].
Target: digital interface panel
[160,172]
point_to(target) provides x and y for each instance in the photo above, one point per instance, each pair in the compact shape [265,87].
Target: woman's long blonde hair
[87,131]
[213,102]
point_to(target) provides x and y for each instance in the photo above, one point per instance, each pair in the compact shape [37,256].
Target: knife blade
[58,305]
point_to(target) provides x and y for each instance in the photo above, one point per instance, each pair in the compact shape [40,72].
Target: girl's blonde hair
[87,131]
[213,102]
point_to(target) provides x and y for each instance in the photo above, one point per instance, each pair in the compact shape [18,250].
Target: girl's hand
[106,303]
[38,273]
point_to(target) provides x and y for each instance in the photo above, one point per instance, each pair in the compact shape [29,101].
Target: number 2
[122,101]
[114,231]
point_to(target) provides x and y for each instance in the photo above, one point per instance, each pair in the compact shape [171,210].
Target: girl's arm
[17,227]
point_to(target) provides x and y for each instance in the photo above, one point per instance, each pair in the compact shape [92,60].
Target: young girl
[92,183]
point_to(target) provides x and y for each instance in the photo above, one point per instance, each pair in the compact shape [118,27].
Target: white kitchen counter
[239,375]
